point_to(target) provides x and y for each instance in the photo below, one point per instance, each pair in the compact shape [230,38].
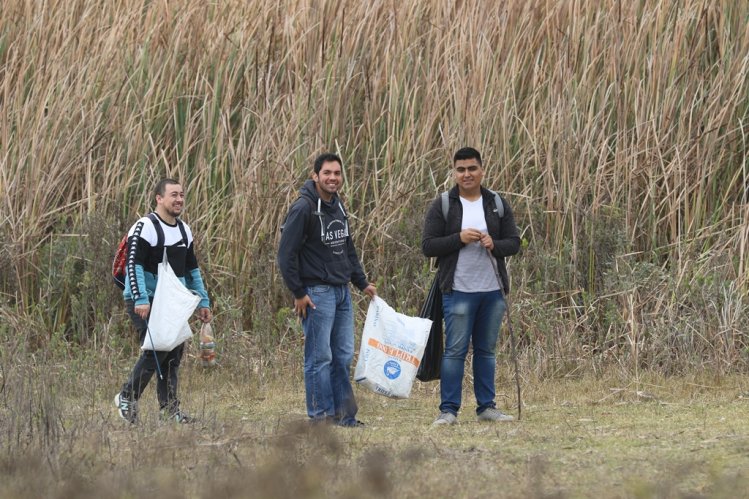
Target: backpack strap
[499,207]
[183,231]
[445,205]
[159,230]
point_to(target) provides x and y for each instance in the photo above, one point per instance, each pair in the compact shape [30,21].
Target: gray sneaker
[445,418]
[492,414]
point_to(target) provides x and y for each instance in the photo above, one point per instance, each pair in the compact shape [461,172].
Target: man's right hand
[468,236]
[301,304]
[143,311]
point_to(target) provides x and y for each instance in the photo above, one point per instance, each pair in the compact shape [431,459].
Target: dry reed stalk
[579,108]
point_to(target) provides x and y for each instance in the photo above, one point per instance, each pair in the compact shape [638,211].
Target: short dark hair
[160,188]
[467,153]
[326,158]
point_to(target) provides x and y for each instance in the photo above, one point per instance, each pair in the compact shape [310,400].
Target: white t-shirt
[474,272]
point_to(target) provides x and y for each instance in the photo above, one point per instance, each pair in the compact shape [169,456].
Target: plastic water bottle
[207,345]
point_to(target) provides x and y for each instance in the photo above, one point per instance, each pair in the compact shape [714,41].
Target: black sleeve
[357,273]
[434,241]
[292,239]
[191,261]
[508,243]
[138,251]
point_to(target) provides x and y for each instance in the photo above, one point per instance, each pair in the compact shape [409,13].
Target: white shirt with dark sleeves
[144,255]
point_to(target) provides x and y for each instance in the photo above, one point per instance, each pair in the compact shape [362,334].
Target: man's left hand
[204,314]
[487,241]
[370,291]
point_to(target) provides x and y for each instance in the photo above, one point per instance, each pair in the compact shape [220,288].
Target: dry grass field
[604,436]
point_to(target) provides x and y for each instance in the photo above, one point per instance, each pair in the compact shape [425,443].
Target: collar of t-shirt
[473,214]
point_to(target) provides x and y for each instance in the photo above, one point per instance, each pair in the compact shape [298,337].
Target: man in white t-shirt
[473,231]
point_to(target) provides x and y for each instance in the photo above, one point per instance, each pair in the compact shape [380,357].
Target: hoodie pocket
[338,272]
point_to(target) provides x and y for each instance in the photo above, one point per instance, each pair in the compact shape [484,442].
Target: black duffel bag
[429,369]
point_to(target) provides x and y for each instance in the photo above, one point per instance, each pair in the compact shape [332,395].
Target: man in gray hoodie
[317,259]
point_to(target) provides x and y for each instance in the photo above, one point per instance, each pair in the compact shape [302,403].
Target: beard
[174,212]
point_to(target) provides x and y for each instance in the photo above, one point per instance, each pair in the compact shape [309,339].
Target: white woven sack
[173,304]
[392,346]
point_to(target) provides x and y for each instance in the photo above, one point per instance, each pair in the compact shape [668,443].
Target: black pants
[145,367]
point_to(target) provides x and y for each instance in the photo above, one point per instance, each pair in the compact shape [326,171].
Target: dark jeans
[145,367]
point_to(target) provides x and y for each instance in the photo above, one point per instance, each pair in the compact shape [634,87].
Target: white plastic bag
[172,305]
[392,346]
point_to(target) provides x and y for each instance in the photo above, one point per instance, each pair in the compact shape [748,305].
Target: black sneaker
[324,421]
[126,408]
[176,416]
[351,424]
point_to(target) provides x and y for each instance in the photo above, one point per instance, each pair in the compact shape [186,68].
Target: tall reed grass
[617,130]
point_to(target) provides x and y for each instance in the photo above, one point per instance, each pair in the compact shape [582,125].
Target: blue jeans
[328,352]
[470,318]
